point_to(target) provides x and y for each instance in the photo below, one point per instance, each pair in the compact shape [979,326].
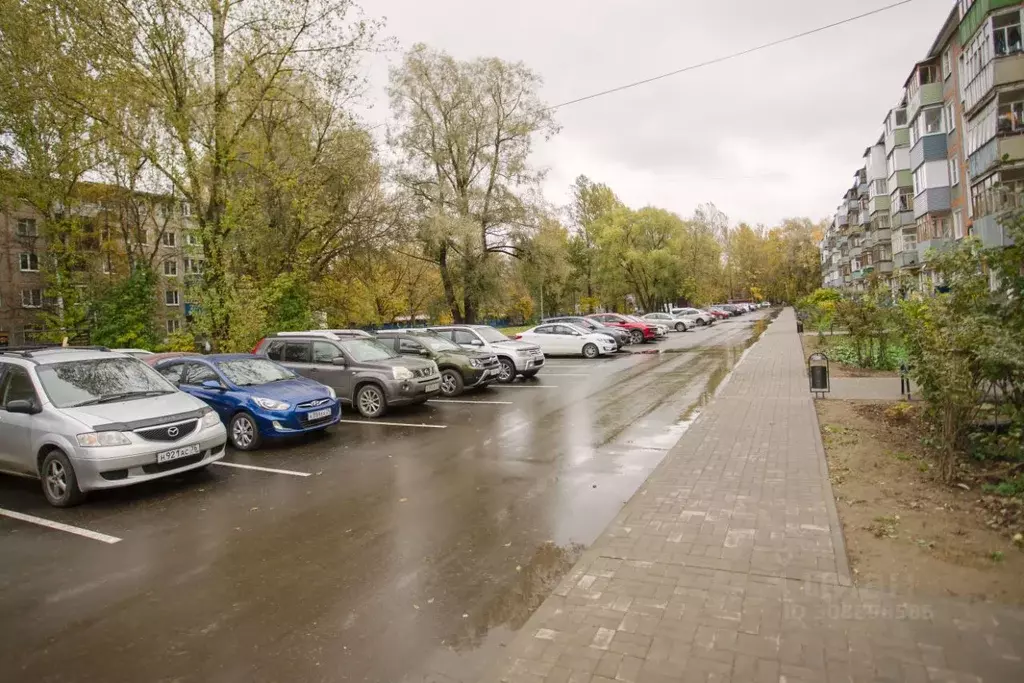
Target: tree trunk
[449,288]
[213,238]
[469,307]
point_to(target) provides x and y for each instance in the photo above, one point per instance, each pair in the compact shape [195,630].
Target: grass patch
[1009,487]
[885,526]
[513,331]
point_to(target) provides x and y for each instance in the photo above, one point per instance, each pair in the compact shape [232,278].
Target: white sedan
[564,339]
[679,323]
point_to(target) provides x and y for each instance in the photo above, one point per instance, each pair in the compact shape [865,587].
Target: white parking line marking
[486,403]
[578,374]
[262,469]
[86,533]
[523,386]
[392,424]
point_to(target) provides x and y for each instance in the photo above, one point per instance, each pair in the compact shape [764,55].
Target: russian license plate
[174,454]
[318,414]
[434,386]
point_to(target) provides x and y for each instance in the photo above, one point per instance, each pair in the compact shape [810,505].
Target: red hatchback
[638,332]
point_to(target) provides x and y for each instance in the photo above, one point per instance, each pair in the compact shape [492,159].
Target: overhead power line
[725,58]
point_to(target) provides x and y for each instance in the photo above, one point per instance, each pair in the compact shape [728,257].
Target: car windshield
[365,350]
[248,372]
[435,343]
[489,334]
[104,380]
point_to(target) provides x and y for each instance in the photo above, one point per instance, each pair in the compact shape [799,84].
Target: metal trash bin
[817,373]
[800,326]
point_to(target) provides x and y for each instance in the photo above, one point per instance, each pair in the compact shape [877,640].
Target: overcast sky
[774,134]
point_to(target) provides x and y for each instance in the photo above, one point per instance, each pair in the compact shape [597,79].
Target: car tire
[371,401]
[451,383]
[637,336]
[60,483]
[680,327]
[244,433]
[590,351]
[508,371]
[530,374]
[701,322]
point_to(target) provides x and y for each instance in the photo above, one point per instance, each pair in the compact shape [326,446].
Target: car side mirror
[212,384]
[476,342]
[339,361]
[424,352]
[23,407]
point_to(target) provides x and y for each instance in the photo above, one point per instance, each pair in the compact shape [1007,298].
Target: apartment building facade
[113,236]
[954,154]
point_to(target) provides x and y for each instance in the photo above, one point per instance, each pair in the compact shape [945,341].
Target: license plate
[174,454]
[318,414]
[434,386]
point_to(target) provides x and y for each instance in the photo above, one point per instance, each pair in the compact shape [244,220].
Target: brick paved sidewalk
[729,565]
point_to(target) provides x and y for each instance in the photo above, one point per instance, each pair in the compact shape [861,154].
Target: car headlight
[523,352]
[100,439]
[401,373]
[476,362]
[332,392]
[269,403]
[210,418]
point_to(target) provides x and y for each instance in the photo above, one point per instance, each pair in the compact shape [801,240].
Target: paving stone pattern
[729,565]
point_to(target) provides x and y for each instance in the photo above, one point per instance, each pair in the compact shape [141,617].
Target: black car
[620,336]
[460,368]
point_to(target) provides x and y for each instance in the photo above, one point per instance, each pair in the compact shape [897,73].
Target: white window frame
[33,300]
[173,325]
[107,267]
[958,224]
[186,209]
[171,298]
[947,65]
[193,266]
[171,268]
[950,117]
[169,239]
[191,239]
[25,259]
[954,172]
[1006,35]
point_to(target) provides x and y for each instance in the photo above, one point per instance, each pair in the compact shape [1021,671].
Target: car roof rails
[31,350]
[410,330]
[324,334]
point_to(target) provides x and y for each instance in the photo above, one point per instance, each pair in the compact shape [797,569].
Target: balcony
[927,248]
[883,235]
[905,259]
[928,148]
[929,93]
[842,219]
[902,219]
[899,137]
[901,178]
[879,203]
[862,189]
[933,200]
[864,218]
[991,232]
[1010,147]
[884,267]
[856,251]
[857,275]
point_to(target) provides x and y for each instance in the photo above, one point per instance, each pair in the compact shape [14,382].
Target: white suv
[516,357]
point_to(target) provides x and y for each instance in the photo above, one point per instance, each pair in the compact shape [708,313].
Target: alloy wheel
[448,384]
[590,351]
[243,431]
[508,371]
[637,336]
[370,401]
[56,479]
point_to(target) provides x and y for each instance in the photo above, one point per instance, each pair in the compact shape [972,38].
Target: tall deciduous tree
[464,131]
[590,202]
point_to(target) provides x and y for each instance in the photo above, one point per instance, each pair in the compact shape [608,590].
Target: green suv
[460,368]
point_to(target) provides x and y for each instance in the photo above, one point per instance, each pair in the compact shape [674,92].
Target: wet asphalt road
[406,554]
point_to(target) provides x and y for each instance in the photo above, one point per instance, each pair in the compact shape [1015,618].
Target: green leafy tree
[124,314]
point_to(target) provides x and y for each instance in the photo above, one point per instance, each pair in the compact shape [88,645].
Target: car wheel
[243,432]
[590,351]
[370,401]
[680,327]
[637,336]
[508,371]
[530,374]
[60,484]
[451,383]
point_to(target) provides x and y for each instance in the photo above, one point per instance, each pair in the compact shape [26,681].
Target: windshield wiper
[120,396]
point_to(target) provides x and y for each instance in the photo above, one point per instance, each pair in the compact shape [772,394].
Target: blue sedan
[256,398]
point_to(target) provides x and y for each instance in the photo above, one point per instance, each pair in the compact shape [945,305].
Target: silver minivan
[86,419]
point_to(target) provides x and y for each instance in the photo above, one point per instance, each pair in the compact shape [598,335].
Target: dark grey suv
[363,372]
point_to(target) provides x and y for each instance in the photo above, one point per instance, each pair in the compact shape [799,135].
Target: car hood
[513,344]
[133,410]
[410,362]
[290,390]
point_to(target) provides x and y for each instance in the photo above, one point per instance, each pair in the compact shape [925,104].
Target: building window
[954,172]
[947,65]
[1010,117]
[29,262]
[171,297]
[168,239]
[170,267]
[31,298]
[950,117]
[27,227]
[932,121]
[1006,33]
[958,224]
[881,187]
[193,266]
[919,185]
[141,237]
[186,209]
[173,325]
[191,239]
[108,266]
[901,118]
